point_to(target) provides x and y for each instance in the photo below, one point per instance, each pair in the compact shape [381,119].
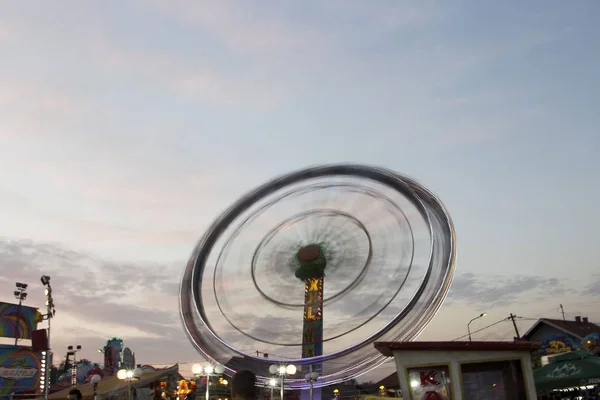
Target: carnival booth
[20,366]
[463,370]
[576,371]
[115,387]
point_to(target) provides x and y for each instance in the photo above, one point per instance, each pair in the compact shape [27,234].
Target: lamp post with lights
[282,371]
[20,294]
[95,380]
[208,371]
[72,351]
[50,313]
[272,384]
[474,319]
[311,378]
[129,375]
[44,372]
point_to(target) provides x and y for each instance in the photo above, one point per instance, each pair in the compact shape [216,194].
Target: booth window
[493,381]
[430,383]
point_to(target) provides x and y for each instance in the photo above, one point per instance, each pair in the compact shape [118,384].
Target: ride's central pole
[312,272]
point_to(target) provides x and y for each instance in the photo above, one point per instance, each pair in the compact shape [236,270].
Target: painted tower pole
[312,264]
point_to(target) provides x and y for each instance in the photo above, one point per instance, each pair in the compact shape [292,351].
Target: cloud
[500,290]
[32,109]
[97,299]
[198,77]
[593,288]
[242,27]
[137,301]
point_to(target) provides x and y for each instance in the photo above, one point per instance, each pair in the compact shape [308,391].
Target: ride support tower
[312,262]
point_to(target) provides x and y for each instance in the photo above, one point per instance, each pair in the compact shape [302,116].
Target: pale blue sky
[125,127]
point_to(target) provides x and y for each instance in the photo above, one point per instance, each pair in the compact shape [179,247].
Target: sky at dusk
[127,127]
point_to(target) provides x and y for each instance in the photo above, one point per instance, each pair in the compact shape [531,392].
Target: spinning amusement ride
[315,266]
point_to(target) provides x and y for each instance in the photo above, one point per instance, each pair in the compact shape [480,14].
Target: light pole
[474,319]
[129,375]
[94,380]
[272,384]
[73,352]
[20,294]
[208,371]
[50,313]
[282,371]
[311,378]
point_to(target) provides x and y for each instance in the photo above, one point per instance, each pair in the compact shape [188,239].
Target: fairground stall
[20,366]
[569,375]
[463,370]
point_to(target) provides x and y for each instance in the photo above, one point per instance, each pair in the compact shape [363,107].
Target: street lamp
[474,319]
[282,370]
[94,380]
[208,371]
[311,378]
[73,352]
[20,294]
[129,375]
[272,384]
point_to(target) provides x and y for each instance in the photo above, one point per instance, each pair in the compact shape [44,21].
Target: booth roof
[114,384]
[387,348]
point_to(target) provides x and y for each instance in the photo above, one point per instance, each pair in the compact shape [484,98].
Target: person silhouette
[243,386]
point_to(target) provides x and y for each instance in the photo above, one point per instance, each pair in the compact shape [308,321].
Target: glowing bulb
[290,369]
[197,369]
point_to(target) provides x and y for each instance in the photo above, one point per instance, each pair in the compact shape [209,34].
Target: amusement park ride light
[43,375]
[50,313]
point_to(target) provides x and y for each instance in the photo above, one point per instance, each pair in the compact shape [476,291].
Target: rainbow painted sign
[19,369]
[18,322]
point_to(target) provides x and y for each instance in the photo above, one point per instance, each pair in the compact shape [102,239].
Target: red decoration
[432,395]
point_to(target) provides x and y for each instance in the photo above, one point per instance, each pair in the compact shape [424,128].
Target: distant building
[559,336]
